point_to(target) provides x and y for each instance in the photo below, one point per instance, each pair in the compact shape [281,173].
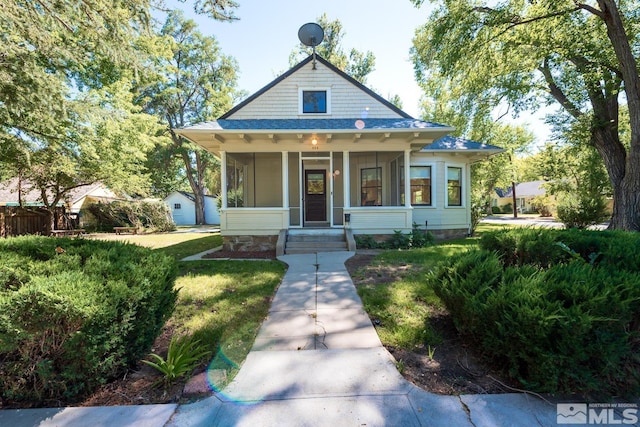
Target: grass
[405,305]
[177,245]
[223,303]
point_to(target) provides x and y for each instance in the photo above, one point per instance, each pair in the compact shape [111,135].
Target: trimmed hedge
[71,321]
[559,318]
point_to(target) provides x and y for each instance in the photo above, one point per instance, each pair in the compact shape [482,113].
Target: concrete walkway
[317,361]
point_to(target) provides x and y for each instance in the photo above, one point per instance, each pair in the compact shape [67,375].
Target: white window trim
[463,185]
[434,202]
[300,106]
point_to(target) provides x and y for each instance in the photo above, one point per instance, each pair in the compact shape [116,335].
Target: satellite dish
[311,34]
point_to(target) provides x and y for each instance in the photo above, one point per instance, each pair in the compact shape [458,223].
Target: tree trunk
[626,211]
[200,211]
[196,181]
[515,199]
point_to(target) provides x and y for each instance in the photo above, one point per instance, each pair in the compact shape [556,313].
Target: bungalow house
[315,149]
[525,193]
[183,208]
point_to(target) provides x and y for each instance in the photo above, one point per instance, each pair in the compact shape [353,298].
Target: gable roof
[31,195]
[524,189]
[332,68]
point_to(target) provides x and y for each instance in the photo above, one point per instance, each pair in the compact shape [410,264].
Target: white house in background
[183,208]
[317,149]
[525,193]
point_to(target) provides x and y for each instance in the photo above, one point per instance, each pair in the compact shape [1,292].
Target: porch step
[315,241]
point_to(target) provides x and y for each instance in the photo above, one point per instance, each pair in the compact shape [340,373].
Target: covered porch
[268,192]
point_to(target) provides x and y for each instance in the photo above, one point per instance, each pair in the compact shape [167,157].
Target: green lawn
[223,303]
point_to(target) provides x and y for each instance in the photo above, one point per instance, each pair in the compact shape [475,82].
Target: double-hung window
[454,186]
[420,185]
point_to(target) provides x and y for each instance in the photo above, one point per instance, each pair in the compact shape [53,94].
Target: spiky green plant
[183,355]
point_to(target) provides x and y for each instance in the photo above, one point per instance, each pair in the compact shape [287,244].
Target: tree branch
[589,9]
[557,93]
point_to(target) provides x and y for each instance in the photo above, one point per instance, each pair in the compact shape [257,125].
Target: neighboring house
[315,148]
[183,208]
[15,192]
[525,193]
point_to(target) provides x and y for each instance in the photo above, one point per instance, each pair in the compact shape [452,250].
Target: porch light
[336,173]
[314,142]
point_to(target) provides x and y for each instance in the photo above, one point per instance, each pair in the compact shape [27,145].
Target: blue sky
[267,32]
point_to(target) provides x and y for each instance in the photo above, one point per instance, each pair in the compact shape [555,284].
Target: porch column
[407,178]
[285,179]
[223,179]
[346,179]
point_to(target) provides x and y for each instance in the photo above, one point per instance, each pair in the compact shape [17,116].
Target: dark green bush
[72,321]
[496,210]
[563,325]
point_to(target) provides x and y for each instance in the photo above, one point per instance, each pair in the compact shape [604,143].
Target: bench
[120,230]
[75,232]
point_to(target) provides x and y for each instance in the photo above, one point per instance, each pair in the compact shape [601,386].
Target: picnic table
[120,230]
[73,232]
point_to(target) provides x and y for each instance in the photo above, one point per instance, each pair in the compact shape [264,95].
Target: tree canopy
[579,56]
[194,83]
[68,69]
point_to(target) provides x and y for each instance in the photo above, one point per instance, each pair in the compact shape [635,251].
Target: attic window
[315,101]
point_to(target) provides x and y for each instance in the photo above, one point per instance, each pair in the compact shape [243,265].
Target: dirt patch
[454,367]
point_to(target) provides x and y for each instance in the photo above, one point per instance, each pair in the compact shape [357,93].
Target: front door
[315,195]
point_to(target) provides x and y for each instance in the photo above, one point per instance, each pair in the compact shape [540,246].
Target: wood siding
[282,101]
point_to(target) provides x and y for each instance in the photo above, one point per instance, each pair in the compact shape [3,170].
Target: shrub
[366,241]
[496,210]
[582,210]
[543,204]
[72,321]
[153,215]
[557,323]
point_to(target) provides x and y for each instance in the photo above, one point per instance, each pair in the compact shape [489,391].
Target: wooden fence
[17,221]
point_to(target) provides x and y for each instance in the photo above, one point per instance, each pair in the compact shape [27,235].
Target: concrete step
[315,238]
[294,251]
[316,245]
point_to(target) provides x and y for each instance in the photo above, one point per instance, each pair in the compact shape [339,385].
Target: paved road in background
[532,221]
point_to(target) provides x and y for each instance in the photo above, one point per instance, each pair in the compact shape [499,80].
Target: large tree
[195,83]
[578,55]
[357,64]
[66,67]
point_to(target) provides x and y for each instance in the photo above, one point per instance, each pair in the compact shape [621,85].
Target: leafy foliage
[72,320]
[575,55]
[152,215]
[569,315]
[195,82]
[417,238]
[183,355]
